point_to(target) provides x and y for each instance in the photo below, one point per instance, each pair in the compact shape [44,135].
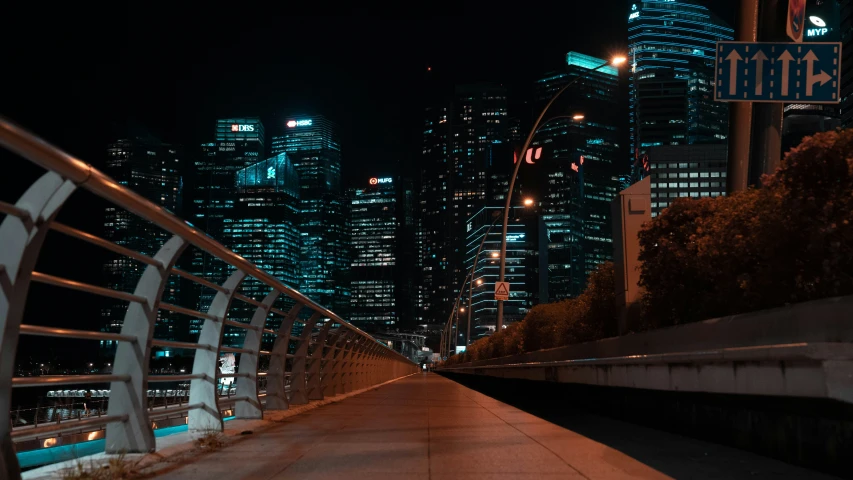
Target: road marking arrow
[733,57]
[811,78]
[786,58]
[759,58]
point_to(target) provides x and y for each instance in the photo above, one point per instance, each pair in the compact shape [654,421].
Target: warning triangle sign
[501,290]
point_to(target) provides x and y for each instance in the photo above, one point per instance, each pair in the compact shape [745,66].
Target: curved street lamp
[615,62]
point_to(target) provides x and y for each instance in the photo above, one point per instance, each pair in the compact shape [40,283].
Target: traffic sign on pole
[796,20]
[778,72]
[501,290]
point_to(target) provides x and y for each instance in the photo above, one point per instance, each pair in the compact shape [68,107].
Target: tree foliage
[550,325]
[789,241]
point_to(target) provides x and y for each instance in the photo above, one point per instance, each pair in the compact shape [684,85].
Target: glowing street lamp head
[495,254]
[461,309]
[619,60]
[578,116]
[528,202]
[479,281]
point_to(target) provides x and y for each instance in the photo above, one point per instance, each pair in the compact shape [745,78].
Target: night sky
[77,74]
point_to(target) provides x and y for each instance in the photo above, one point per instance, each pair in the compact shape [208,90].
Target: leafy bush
[587,317]
[789,241]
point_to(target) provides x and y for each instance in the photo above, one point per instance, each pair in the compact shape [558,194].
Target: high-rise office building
[460,143]
[846,14]
[692,171]
[574,177]
[526,271]
[312,144]
[672,50]
[382,240]
[263,227]
[434,224]
[238,143]
[150,168]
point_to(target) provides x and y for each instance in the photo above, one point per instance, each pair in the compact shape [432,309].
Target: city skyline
[274,116]
[356,81]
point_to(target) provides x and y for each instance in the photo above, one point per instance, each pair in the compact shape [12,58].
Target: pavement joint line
[516,428]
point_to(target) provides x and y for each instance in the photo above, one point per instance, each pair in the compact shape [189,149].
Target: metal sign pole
[755,129]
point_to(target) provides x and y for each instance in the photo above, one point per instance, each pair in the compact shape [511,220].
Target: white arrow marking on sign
[733,57]
[759,58]
[811,78]
[786,58]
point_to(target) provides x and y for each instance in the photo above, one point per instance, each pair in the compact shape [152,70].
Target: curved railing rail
[321,355]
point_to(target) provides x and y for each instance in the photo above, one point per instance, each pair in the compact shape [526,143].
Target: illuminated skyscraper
[671,47]
[263,227]
[461,137]
[382,242]
[150,168]
[576,175]
[525,269]
[239,142]
[312,145]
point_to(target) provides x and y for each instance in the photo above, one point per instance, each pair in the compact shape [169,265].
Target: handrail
[358,361]
[84,175]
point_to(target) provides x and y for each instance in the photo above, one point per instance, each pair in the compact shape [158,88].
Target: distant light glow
[578,116]
[495,254]
[528,202]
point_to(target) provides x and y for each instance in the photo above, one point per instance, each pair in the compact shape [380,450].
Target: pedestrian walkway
[428,427]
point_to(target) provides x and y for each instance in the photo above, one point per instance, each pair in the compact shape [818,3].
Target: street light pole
[615,61]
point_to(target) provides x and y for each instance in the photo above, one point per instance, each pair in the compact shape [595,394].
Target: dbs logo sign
[531,155]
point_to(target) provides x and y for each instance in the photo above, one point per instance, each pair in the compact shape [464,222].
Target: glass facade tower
[312,145]
[263,228]
[573,180]
[152,169]
[671,47]
[239,142]
[382,235]
[522,267]
[460,142]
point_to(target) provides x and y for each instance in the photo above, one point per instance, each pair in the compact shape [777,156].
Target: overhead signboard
[778,72]
[501,290]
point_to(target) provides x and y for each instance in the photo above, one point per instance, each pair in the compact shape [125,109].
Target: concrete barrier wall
[829,320]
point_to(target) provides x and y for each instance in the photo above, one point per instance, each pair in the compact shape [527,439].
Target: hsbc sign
[242,128]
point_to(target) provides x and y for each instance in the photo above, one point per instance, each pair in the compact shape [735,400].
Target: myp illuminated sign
[300,123]
[380,181]
[242,128]
[817,32]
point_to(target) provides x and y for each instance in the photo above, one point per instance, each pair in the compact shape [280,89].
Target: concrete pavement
[428,427]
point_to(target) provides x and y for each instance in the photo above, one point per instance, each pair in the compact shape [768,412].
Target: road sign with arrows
[778,72]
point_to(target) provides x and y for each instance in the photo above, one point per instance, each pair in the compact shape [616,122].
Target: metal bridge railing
[318,356]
